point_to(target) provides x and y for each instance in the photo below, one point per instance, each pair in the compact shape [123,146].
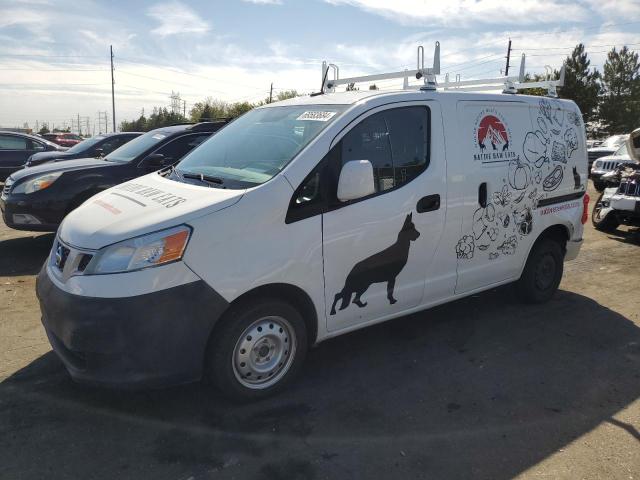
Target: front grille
[61,256]
[7,187]
[84,261]
[609,165]
[630,188]
[66,261]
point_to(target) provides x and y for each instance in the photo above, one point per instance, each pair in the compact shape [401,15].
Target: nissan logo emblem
[58,256]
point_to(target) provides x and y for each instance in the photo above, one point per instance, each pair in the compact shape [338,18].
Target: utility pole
[184,108]
[271,93]
[506,70]
[79,129]
[113,98]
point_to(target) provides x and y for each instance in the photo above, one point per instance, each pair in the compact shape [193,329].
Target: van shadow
[24,255]
[480,388]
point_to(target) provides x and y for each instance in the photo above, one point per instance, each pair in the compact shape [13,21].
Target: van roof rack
[508,84]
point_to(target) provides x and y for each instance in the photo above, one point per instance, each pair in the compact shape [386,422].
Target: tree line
[209,109]
[609,99]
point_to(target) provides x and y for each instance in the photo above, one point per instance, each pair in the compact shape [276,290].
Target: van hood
[617,158]
[143,205]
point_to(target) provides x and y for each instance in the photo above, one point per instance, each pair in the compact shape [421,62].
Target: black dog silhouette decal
[381,267]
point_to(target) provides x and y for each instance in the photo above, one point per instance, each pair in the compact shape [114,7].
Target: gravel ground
[480,388]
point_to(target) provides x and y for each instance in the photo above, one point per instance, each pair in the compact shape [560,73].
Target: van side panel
[500,190]
[530,158]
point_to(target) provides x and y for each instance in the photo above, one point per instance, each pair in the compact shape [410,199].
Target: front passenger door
[377,250]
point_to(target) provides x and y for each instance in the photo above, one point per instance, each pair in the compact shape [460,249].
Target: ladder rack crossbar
[482,81]
[380,76]
[509,85]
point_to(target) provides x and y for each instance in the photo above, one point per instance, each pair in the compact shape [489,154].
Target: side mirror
[99,152]
[356,180]
[155,160]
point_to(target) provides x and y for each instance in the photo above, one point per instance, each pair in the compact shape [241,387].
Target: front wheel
[605,222]
[542,273]
[257,350]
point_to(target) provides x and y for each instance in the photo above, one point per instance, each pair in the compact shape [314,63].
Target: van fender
[559,231]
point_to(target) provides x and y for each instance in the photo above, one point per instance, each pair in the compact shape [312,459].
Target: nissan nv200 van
[309,218]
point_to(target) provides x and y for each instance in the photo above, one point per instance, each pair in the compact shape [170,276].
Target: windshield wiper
[203,178]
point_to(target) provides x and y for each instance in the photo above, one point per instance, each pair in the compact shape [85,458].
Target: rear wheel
[257,350]
[605,222]
[542,273]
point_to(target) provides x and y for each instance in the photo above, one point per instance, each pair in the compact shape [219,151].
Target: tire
[542,272]
[609,223]
[257,349]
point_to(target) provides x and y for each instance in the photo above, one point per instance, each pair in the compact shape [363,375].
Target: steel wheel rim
[264,352]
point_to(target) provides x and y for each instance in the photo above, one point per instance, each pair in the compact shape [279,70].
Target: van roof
[352,97]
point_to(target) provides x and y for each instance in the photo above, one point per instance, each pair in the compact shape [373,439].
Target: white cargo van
[309,218]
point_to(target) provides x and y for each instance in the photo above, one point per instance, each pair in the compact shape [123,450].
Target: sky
[54,54]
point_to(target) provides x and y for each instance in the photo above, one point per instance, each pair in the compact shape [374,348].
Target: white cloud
[617,9]
[465,12]
[176,18]
[264,2]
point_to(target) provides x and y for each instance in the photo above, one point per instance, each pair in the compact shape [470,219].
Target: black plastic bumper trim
[545,202]
[157,339]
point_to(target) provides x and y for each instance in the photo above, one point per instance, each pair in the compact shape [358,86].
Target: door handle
[428,203]
[482,194]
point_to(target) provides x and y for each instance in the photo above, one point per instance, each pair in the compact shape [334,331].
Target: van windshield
[258,145]
[137,146]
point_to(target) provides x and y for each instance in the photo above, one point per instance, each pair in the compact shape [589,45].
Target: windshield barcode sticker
[316,116]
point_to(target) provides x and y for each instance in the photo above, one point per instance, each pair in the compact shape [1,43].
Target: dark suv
[97,146]
[16,148]
[38,198]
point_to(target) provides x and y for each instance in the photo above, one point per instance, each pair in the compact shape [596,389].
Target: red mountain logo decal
[492,131]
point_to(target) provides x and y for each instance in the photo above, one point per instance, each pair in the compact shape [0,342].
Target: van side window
[409,134]
[395,141]
[369,140]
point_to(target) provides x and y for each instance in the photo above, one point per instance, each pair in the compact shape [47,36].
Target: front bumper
[150,340]
[48,214]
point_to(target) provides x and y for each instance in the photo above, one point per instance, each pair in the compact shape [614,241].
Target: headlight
[36,184]
[141,252]
[597,164]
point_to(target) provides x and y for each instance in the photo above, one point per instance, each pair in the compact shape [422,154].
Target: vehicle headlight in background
[36,184]
[137,253]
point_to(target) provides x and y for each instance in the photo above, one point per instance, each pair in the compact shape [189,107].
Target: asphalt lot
[481,388]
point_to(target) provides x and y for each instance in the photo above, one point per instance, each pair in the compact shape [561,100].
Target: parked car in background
[608,147]
[38,198]
[593,143]
[97,146]
[64,139]
[16,148]
[608,164]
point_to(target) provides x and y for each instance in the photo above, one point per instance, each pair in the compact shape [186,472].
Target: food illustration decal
[531,174]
